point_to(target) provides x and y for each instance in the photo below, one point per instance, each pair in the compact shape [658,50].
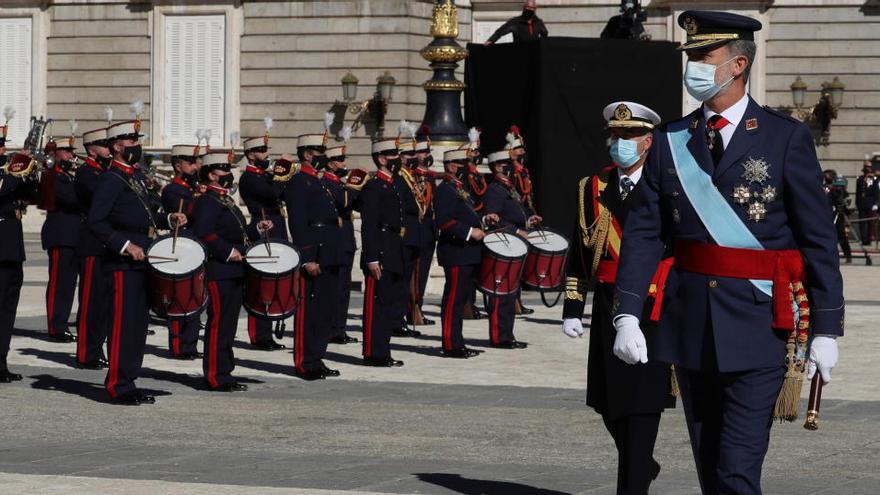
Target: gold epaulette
[575,288]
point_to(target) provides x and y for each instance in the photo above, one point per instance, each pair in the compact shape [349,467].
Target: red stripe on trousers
[84,301]
[450,305]
[252,329]
[368,316]
[51,289]
[299,330]
[175,337]
[493,320]
[215,332]
[116,332]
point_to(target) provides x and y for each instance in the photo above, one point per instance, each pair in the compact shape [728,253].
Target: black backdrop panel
[554,90]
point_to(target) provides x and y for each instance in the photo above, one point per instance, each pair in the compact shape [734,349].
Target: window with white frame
[195,77]
[16,67]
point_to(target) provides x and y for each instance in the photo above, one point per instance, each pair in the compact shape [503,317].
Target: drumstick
[815,400]
[266,234]
[176,227]
[260,257]
[162,258]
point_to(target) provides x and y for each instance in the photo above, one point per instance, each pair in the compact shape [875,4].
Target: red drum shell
[544,269]
[500,274]
[268,294]
[178,295]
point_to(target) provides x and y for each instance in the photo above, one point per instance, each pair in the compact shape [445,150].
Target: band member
[179,195]
[503,200]
[94,287]
[262,196]
[121,218]
[221,226]
[523,183]
[458,249]
[382,260]
[734,190]
[316,227]
[629,398]
[867,201]
[838,199]
[345,199]
[476,185]
[424,179]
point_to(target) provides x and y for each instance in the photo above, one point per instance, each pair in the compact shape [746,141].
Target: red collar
[308,170]
[452,178]
[93,163]
[128,169]
[331,177]
[381,174]
[180,182]
[222,191]
[504,181]
[256,170]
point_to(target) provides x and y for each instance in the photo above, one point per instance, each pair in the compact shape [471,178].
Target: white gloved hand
[629,344]
[572,327]
[823,356]
[874,208]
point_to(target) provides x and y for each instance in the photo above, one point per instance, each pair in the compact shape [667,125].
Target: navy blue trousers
[128,330]
[318,301]
[63,270]
[183,334]
[457,291]
[502,313]
[92,322]
[11,278]
[381,314]
[224,305]
[340,318]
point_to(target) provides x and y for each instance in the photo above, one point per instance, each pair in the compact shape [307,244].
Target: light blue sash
[723,224]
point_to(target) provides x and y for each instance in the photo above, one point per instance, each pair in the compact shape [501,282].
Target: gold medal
[402,231]
[340,221]
[151,233]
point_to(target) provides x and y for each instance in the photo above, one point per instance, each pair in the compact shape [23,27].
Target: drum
[504,255]
[271,280]
[545,265]
[177,276]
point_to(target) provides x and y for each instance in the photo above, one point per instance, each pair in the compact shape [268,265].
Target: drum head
[548,241]
[506,245]
[285,258]
[188,255]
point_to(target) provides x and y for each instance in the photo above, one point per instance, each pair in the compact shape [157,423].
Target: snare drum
[271,280]
[545,265]
[177,276]
[503,259]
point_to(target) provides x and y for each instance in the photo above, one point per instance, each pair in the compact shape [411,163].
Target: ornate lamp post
[376,106]
[822,113]
[443,109]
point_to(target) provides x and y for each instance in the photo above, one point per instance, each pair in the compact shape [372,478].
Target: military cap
[708,29]
[630,114]
[217,160]
[499,156]
[260,143]
[337,152]
[385,146]
[189,151]
[455,155]
[65,143]
[97,136]
[311,141]
[130,129]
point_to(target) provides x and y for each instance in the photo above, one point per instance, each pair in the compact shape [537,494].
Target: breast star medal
[757,211]
[741,194]
[756,170]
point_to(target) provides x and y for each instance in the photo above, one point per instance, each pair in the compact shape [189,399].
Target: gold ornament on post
[445,21]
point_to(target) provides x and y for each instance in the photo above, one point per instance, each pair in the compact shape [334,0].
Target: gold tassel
[788,402]
[673,383]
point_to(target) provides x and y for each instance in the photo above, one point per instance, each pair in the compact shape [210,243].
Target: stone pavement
[506,422]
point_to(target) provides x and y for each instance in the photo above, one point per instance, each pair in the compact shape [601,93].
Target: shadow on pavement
[86,390]
[469,486]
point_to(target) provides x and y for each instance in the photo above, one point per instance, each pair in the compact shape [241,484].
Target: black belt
[390,228]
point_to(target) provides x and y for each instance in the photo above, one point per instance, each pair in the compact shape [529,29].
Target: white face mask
[699,79]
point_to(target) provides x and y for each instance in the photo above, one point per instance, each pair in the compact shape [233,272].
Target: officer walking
[179,195]
[867,200]
[424,181]
[629,398]
[94,287]
[734,190]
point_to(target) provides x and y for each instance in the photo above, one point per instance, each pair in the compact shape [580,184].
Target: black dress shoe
[312,375]
[460,353]
[386,362]
[268,346]
[63,337]
[405,332]
[127,400]
[329,372]
[96,364]
[187,356]
[143,398]
[343,339]
[231,387]
[7,376]
[655,469]
[513,344]
[150,331]
[426,321]
[525,311]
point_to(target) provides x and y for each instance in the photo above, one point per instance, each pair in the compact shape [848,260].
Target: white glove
[572,327]
[823,355]
[874,208]
[629,344]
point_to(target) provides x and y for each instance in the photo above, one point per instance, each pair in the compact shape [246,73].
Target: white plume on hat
[74,125]
[137,107]
[108,114]
[8,113]
[402,127]
[208,134]
[474,136]
[345,133]
[234,138]
[329,117]
[200,134]
[268,123]
[511,138]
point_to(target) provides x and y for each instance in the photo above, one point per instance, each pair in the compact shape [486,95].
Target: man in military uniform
[838,200]
[94,286]
[629,398]
[122,219]
[382,259]
[525,27]
[179,195]
[867,199]
[459,249]
[476,185]
[262,197]
[734,190]
[522,182]
[345,199]
[316,227]
[220,225]
[59,237]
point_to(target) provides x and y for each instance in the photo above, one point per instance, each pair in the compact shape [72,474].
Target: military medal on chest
[753,194]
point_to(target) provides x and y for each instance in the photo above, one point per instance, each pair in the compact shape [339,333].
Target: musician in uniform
[180,195]
[424,181]
[523,184]
[262,197]
[94,287]
[382,259]
[629,398]
[476,185]
[220,225]
[59,236]
[122,218]
[503,200]
[735,190]
[316,227]
[345,200]
[867,203]
[459,249]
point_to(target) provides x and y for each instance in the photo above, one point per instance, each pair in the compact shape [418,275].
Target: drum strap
[229,204]
[139,191]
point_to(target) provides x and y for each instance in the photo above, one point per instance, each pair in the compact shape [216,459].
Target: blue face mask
[625,153]
[699,80]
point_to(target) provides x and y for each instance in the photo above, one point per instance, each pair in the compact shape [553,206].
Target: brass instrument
[33,148]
